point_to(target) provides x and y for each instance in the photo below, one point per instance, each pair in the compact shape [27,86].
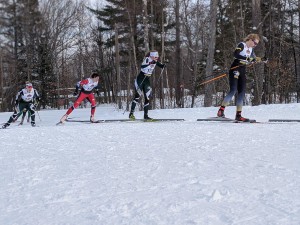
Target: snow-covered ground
[173,173]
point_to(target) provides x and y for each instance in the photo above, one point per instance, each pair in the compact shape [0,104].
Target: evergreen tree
[20,20]
[128,18]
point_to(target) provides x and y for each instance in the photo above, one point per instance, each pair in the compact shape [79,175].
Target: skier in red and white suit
[87,87]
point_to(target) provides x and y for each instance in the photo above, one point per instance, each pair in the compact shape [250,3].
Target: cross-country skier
[26,100]
[142,82]
[23,113]
[86,92]
[243,56]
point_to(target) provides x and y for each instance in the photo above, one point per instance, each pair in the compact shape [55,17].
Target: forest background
[55,43]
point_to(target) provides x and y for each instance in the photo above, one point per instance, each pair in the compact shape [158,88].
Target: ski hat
[154,54]
[29,85]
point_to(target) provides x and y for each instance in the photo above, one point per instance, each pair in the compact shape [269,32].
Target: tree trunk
[133,62]
[1,81]
[146,25]
[210,55]
[118,92]
[179,86]
[162,96]
[258,69]
[298,57]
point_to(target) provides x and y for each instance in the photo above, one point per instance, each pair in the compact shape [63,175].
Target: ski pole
[38,111]
[218,77]
[137,91]
[160,75]
[215,78]
[39,116]
[223,75]
[226,69]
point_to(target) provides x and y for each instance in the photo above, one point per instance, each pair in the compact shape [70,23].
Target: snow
[188,172]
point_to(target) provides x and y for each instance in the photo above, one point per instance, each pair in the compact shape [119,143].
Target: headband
[154,54]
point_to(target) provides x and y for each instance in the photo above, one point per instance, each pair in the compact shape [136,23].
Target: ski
[250,121]
[18,125]
[159,120]
[59,123]
[98,121]
[225,119]
[222,119]
[284,120]
[124,120]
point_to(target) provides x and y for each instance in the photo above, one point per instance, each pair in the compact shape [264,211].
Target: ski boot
[131,116]
[239,118]
[92,118]
[63,118]
[5,125]
[221,112]
[146,117]
[33,124]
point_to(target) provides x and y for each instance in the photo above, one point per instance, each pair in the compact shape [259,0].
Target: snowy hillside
[173,173]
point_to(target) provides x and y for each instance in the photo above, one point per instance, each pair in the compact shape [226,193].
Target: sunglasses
[255,43]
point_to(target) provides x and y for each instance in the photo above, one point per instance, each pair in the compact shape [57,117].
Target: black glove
[257,59]
[32,106]
[264,59]
[97,92]
[76,90]
[36,102]
[248,61]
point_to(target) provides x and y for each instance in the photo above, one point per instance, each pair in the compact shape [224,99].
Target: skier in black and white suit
[26,100]
[142,82]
